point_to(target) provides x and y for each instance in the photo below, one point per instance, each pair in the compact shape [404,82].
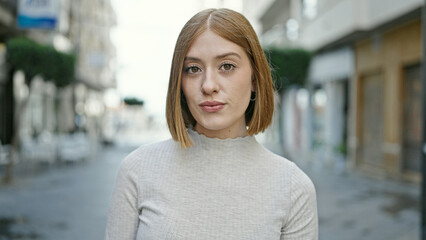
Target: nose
[210,84]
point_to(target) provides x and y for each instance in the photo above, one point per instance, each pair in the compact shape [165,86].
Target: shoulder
[153,150]
[276,160]
[149,152]
[290,173]
[294,176]
[301,182]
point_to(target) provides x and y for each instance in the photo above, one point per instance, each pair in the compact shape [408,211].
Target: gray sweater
[218,189]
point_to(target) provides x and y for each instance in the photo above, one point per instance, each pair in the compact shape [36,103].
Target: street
[71,202]
[356,207]
[66,202]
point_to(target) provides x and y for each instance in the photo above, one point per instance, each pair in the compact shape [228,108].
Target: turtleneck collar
[223,145]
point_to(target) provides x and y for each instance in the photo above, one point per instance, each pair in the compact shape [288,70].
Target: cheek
[245,87]
[189,93]
[241,92]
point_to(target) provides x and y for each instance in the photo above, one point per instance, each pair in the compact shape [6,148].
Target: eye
[227,67]
[192,69]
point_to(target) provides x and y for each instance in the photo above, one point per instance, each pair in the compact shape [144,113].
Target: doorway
[372,102]
[412,127]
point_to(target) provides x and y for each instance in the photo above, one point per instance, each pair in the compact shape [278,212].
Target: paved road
[355,207]
[64,202]
[71,202]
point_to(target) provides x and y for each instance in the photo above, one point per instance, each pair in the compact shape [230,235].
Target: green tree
[289,68]
[133,101]
[35,59]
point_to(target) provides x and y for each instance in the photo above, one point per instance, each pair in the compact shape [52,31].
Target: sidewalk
[352,206]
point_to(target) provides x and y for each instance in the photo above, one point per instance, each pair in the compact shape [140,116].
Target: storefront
[329,78]
[388,91]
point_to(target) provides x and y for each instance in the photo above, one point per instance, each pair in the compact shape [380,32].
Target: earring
[253,96]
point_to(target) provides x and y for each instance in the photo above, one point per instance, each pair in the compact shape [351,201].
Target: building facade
[90,25]
[82,28]
[388,112]
[363,81]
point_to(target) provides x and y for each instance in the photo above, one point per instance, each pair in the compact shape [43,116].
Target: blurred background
[84,82]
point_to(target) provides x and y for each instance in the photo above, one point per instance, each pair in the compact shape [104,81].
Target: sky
[144,37]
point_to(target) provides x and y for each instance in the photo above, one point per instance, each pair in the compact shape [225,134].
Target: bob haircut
[233,27]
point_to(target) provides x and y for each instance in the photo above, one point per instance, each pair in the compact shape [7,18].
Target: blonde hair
[233,27]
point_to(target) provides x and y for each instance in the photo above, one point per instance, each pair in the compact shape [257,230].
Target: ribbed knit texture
[218,189]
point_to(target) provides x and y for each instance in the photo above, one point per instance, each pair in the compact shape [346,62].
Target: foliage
[132,101]
[342,149]
[33,59]
[289,66]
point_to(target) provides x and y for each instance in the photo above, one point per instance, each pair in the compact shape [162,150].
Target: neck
[222,133]
[219,146]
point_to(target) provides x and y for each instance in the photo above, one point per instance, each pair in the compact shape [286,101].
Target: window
[309,8]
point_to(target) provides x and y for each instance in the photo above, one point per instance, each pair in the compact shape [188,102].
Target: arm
[123,215]
[302,222]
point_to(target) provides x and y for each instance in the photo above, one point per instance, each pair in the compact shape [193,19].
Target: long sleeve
[123,215]
[302,222]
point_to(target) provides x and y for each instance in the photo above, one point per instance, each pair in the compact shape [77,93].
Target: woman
[213,180]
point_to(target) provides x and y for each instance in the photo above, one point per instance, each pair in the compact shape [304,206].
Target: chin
[218,124]
[213,126]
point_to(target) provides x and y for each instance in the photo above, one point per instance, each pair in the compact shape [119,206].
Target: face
[217,85]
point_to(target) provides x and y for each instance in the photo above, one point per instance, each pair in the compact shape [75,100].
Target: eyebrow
[227,55]
[217,57]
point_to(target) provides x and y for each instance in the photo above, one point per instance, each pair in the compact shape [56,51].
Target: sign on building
[38,13]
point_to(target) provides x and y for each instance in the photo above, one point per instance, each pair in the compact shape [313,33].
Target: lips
[212,106]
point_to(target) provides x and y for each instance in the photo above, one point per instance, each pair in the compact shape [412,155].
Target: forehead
[211,44]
